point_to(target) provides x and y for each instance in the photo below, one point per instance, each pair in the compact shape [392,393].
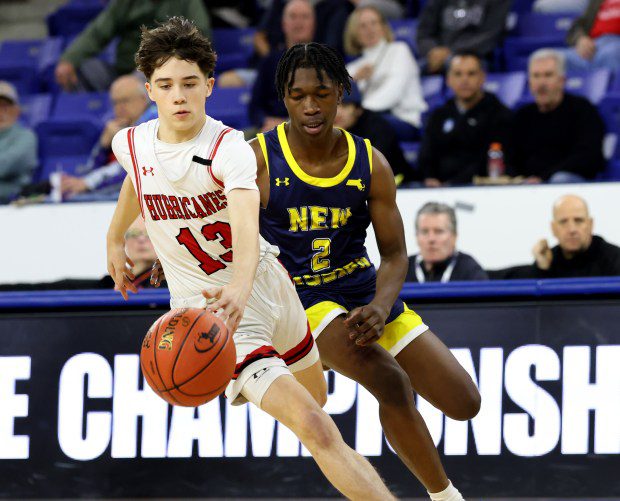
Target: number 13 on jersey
[212,232]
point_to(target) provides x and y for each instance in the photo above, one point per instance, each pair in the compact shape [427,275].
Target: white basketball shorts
[273,337]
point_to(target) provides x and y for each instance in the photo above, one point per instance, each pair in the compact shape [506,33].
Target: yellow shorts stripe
[397,334]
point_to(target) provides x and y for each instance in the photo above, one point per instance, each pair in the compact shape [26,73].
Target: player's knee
[468,404]
[316,430]
[390,385]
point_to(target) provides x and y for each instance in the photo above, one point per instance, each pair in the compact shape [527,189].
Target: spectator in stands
[17,144]
[331,16]
[458,134]
[120,19]
[131,106]
[385,72]
[266,110]
[559,137]
[595,38]
[559,6]
[438,260]
[449,26]
[579,253]
[353,117]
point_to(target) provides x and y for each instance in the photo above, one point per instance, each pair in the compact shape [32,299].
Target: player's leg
[313,380]
[289,402]
[438,377]
[376,370]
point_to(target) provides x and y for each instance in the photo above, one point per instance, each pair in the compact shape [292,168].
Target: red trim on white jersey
[134,161]
[212,156]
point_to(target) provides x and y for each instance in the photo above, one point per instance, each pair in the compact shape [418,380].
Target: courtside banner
[77,419]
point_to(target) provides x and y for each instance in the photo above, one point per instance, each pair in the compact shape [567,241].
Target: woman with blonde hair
[385,71]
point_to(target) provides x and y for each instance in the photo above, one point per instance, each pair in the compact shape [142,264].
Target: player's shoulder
[124,137]
[227,141]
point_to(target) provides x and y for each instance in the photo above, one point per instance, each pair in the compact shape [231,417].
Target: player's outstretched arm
[231,299]
[367,322]
[119,265]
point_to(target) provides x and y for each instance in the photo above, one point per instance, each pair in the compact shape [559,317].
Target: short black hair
[467,53]
[322,58]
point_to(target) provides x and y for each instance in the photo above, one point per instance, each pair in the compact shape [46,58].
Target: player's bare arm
[231,298]
[262,174]
[119,264]
[367,322]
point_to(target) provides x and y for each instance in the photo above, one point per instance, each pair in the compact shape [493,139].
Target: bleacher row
[69,124]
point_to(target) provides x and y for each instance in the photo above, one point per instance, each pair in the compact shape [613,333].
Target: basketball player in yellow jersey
[194,182]
[320,189]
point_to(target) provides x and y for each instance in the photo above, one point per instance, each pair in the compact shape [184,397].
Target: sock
[450,493]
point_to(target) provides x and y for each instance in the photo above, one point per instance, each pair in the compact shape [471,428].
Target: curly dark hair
[321,57]
[177,37]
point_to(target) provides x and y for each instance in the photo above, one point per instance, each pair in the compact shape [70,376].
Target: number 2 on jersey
[211,232]
[323,246]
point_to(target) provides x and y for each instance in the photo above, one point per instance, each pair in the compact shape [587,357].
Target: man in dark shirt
[559,137]
[447,27]
[368,124]
[266,109]
[579,253]
[458,134]
[438,260]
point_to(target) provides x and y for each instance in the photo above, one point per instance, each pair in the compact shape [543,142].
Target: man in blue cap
[365,123]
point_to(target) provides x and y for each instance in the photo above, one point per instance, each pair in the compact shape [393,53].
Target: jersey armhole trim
[263,146]
[369,149]
[212,156]
[134,161]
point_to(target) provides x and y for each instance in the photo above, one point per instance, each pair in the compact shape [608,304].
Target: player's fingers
[122,290]
[355,316]
[368,338]
[131,286]
[212,293]
[130,262]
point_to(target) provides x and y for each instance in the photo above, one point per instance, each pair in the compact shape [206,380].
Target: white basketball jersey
[182,192]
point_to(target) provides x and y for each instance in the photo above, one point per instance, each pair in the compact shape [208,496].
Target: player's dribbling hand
[366,324]
[119,268]
[157,274]
[230,301]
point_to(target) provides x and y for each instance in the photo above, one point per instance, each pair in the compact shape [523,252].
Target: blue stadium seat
[35,109]
[70,19]
[508,87]
[522,6]
[230,106]
[93,106]
[405,31]
[592,85]
[22,76]
[610,106]
[535,25]
[39,55]
[73,165]
[411,151]
[432,90]
[62,138]
[534,31]
[234,47]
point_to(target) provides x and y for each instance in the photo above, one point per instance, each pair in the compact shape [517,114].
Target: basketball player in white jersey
[194,182]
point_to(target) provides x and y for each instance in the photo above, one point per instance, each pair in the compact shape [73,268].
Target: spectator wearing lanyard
[438,260]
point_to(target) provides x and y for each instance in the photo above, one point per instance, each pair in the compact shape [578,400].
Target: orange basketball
[188,357]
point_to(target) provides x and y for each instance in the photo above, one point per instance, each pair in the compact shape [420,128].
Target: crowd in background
[472,136]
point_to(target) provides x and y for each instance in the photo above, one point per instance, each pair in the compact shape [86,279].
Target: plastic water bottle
[495,161]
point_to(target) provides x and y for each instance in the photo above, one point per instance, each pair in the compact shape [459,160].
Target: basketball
[188,357]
